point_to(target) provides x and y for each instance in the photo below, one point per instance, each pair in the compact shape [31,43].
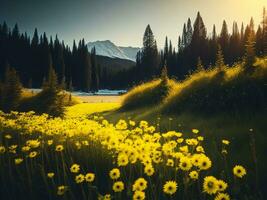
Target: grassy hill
[230,90]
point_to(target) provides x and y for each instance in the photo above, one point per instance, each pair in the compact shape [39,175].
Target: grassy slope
[27,95]
[214,128]
[212,91]
[178,109]
[158,104]
[147,94]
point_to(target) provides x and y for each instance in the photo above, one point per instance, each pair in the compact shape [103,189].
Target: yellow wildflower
[170,162]
[139,195]
[33,154]
[25,148]
[79,178]
[50,174]
[8,136]
[170,187]
[204,163]
[118,186]
[185,164]
[149,170]
[61,189]
[239,171]
[90,177]
[210,185]
[196,131]
[140,184]
[226,142]
[122,159]
[2,149]
[107,197]
[193,175]
[222,196]
[114,174]
[59,147]
[18,161]
[49,142]
[75,168]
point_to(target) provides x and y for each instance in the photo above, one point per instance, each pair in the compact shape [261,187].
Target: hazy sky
[123,21]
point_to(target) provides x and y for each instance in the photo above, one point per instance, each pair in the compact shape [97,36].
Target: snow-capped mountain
[109,49]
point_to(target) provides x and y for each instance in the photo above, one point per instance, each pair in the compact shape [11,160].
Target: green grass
[230,90]
[236,128]
[229,104]
[213,128]
[68,100]
[147,94]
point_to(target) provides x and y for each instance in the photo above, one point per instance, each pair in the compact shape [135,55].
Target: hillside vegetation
[148,94]
[228,89]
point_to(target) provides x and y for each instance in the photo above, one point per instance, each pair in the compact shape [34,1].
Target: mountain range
[109,49]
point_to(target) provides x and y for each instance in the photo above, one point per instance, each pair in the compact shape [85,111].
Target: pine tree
[15,31]
[242,32]
[180,48]
[84,66]
[184,37]
[50,99]
[189,32]
[219,58]
[95,75]
[251,25]
[224,39]
[200,66]
[58,59]
[250,51]
[199,28]
[150,59]
[234,44]
[199,43]
[35,39]
[259,46]
[264,31]
[63,83]
[11,90]
[52,81]
[213,43]
[166,49]
[70,86]
[164,75]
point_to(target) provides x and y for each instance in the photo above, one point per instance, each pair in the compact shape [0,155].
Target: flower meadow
[82,157]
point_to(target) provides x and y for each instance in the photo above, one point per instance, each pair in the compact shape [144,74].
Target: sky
[123,21]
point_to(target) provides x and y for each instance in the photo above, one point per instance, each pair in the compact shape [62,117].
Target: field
[201,138]
[84,156]
[100,99]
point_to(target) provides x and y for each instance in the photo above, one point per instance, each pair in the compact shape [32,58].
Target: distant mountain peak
[109,49]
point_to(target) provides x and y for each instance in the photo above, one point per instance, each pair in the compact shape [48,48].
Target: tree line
[196,49]
[32,57]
